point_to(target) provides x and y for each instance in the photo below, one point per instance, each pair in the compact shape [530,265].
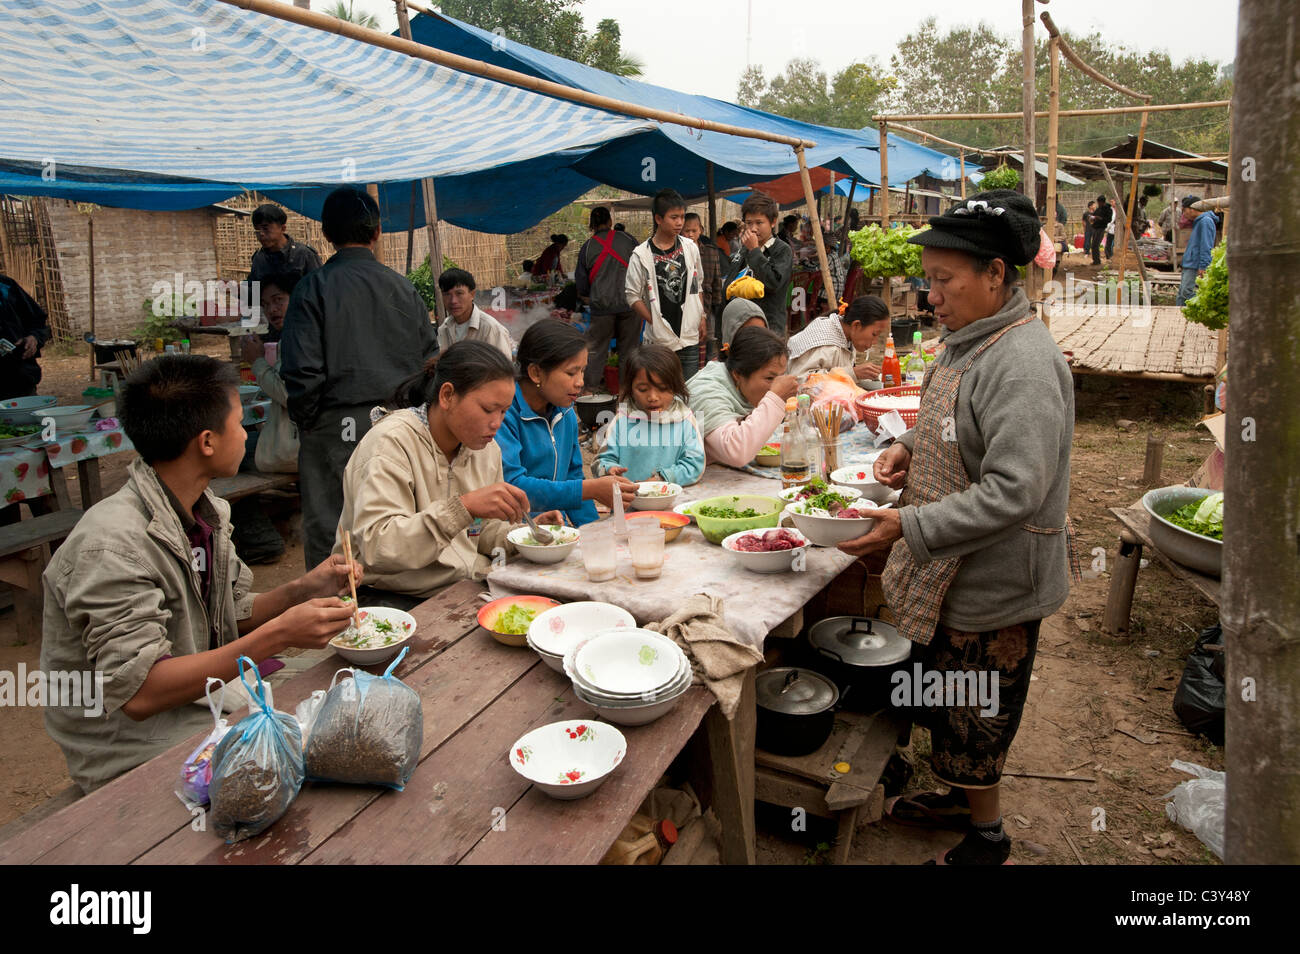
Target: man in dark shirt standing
[279,253]
[354,329]
[1100,219]
[24,325]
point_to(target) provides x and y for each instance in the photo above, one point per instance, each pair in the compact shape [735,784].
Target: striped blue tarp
[155,102]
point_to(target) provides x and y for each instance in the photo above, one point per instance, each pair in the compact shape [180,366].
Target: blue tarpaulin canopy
[169,104]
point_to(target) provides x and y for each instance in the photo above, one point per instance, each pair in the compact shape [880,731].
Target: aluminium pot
[796,710]
[860,654]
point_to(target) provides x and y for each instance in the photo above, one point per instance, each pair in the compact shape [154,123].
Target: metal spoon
[543,536]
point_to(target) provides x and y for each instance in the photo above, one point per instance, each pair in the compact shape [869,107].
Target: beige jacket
[479,327]
[401,502]
[121,593]
[277,445]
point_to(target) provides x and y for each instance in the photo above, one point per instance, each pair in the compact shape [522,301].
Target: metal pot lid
[795,691]
[860,641]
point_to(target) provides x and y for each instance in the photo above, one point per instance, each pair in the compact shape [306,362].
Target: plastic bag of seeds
[196,773]
[368,731]
[257,767]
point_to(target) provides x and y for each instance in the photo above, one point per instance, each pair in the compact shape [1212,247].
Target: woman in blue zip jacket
[539,436]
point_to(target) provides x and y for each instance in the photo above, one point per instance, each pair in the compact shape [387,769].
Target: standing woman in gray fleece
[980,543]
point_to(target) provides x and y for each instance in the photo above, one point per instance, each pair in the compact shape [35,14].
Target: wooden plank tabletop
[1137,520]
[478,697]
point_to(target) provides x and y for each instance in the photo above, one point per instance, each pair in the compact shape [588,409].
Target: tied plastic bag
[1200,701]
[745,285]
[196,772]
[257,768]
[368,731]
[1046,257]
[1198,804]
[836,386]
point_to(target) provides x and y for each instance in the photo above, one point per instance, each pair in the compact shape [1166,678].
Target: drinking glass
[599,552]
[646,541]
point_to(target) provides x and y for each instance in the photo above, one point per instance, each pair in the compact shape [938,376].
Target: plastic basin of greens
[496,617]
[767,511]
[402,627]
[1184,546]
[565,539]
[568,759]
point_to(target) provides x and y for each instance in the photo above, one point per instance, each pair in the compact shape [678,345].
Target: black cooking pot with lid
[861,654]
[796,710]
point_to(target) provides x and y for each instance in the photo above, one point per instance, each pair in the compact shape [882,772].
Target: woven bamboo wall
[28,255]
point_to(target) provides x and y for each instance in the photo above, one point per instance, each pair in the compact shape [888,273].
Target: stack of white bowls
[629,676]
[555,631]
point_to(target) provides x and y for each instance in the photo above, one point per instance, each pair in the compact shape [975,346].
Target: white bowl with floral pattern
[568,759]
[557,630]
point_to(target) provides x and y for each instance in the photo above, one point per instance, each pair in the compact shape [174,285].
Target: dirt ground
[1085,686]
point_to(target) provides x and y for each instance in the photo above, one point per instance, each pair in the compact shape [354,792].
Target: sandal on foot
[975,849]
[929,810]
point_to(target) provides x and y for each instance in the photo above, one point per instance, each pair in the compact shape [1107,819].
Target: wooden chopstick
[352,582]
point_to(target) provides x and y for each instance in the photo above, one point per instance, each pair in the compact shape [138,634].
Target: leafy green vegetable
[515,620]
[1209,306]
[824,501]
[18,430]
[1204,517]
[1003,177]
[885,254]
[425,282]
[726,513]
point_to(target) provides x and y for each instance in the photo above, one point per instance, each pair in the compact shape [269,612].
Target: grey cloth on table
[719,659]
[322,457]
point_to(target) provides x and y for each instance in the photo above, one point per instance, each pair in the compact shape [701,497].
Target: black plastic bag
[1200,699]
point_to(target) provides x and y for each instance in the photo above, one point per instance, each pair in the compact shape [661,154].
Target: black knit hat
[1000,223]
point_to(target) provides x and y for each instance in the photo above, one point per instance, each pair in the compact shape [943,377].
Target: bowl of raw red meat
[767,551]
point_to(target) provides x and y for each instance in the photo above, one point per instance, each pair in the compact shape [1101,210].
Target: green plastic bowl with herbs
[720,517]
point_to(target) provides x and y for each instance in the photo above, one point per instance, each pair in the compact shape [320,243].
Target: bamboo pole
[1210,205]
[1065,113]
[848,207]
[90,266]
[713,200]
[962,160]
[428,195]
[1116,160]
[329,24]
[1142,269]
[817,234]
[1078,62]
[410,227]
[899,127]
[884,174]
[1030,180]
[1053,131]
[1132,204]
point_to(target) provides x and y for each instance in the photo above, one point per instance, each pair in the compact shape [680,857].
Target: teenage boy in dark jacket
[769,260]
[1100,219]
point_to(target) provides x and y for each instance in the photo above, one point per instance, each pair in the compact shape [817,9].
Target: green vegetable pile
[1209,306]
[17,430]
[426,283]
[726,513]
[824,501]
[886,253]
[514,621]
[1003,177]
[1204,517]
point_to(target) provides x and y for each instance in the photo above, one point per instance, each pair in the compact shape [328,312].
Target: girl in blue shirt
[539,436]
[654,436]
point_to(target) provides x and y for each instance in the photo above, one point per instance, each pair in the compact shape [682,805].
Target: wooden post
[1155,459]
[848,207]
[1173,216]
[410,227]
[1260,600]
[1027,96]
[962,159]
[1221,349]
[884,175]
[817,233]
[1123,578]
[713,201]
[426,188]
[90,264]
[1053,126]
[1132,204]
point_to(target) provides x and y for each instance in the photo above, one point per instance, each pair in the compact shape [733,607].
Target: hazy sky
[698,46]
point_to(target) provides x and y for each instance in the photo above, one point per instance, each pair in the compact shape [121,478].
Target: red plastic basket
[871,415]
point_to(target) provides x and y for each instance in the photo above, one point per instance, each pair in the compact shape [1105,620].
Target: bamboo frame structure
[884,174]
[1064,114]
[818,240]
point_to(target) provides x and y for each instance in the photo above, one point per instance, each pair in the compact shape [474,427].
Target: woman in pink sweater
[740,402]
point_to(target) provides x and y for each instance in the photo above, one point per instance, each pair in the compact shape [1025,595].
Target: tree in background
[344,11]
[554,26]
[804,92]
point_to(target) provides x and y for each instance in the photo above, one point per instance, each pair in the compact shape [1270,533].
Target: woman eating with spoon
[979,548]
[739,402]
[540,453]
[427,474]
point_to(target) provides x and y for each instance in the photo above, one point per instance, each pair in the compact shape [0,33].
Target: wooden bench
[25,549]
[247,483]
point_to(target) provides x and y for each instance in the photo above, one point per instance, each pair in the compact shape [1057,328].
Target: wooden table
[1136,535]
[464,804]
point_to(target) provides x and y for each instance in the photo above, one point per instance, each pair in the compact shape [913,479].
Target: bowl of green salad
[720,517]
[1187,525]
[508,618]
